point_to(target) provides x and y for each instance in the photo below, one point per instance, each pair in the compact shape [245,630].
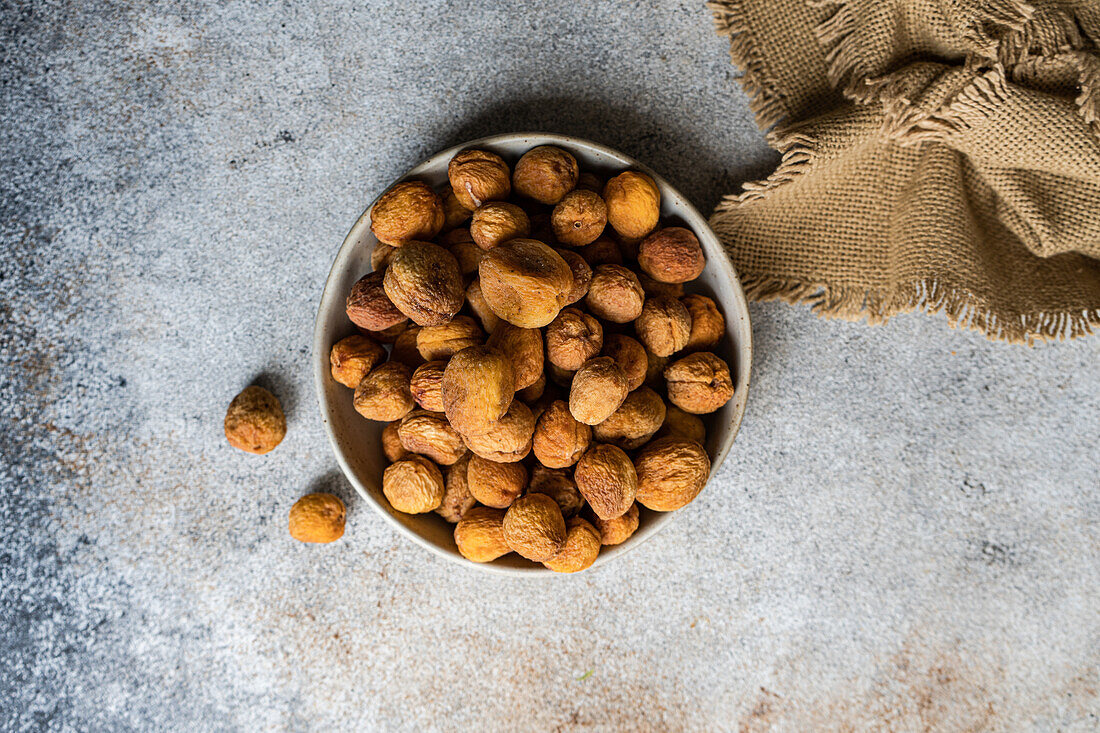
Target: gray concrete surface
[905,537]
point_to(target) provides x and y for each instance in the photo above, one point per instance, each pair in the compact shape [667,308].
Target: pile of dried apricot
[546,369]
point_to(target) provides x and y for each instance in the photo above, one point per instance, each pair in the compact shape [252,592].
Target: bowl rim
[695,220]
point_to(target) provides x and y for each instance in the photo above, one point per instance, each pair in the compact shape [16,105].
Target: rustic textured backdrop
[907,530]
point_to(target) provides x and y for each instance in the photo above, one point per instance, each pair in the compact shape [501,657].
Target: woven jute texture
[936,154]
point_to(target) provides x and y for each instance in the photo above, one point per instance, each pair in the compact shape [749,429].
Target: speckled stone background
[906,535]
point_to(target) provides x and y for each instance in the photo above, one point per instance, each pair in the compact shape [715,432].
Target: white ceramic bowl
[357,442]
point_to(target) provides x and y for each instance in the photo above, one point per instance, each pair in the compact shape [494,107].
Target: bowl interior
[357,442]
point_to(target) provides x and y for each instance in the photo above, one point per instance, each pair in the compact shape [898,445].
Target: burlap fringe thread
[906,124]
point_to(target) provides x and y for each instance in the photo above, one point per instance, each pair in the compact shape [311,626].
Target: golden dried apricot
[479,535]
[457,499]
[699,383]
[478,176]
[559,486]
[411,210]
[633,204]
[495,484]
[413,485]
[523,346]
[369,307]
[614,294]
[404,348]
[426,385]
[573,338]
[352,357]
[384,395]
[391,443]
[618,530]
[478,386]
[672,255]
[630,356]
[671,473]
[317,518]
[254,421]
[429,434]
[579,218]
[597,390]
[664,325]
[545,174]
[424,282]
[445,340]
[560,440]
[707,323]
[582,275]
[581,548]
[534,527]
[635,422]
[525,282]
[606,478]
[509,438]
[682,424]
[496,222]
[476,300]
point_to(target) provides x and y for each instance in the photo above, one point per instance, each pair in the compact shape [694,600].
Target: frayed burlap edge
[962,308]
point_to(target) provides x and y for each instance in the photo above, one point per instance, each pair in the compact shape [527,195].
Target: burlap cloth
[937,154]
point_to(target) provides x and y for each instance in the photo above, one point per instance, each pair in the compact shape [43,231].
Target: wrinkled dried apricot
[384,395]
[606,478]
[410,210]
[534,527]
[413,485]
[597,390]
[579,218]
[560,439]
[545,173]
[573,338]
[525,282]
[580,550]
[497,222]
[635,422]
[614,294]
[495,484]
[478,386]
[664,325]
[699,383]
[671,255]
[479,535]
[429,434]
[444,341]
[352,357]
[671,473]
[478,176]
[424,282]
[509,438]
[633,204]
[317,518]
[254,421]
